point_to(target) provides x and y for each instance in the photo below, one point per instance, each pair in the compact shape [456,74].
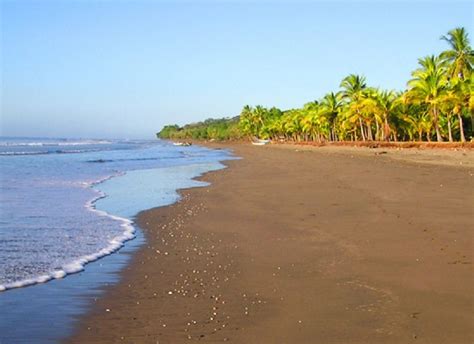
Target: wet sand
[304,245]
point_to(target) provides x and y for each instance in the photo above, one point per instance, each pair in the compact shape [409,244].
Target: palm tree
[453,105]
[369,109]
[470,101]
[252,120]
[421,123]
[459,101]
[385,103]
[310,126]
[406,116]
[412,121]
[353,87]
[292,124]
[311,105]
[331,106]
[460,56]
[274,128]
[246,122]
[428,86]
[260,115]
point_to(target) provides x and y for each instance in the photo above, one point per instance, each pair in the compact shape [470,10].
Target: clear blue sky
[126,68]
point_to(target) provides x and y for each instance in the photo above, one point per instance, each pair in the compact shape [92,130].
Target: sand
[304,245]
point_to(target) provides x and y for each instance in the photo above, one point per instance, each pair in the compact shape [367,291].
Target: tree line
[211,129]
[437,105]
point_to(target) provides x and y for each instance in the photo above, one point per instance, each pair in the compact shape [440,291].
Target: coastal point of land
[296,244]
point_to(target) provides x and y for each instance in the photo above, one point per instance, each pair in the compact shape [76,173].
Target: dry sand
[304,245]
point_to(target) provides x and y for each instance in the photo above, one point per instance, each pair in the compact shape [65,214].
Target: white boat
[259,142]
[184,144]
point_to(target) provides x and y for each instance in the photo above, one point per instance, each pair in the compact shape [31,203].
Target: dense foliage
[438,104]
[217,129]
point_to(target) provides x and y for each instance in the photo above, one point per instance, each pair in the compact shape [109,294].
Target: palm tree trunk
[439,138]
[450,134]
[472,124]
[369,132]
[386,129]
[461,128]
[362,129]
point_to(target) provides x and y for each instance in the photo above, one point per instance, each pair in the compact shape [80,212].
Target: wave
[46,143]
[182,155]
[101,161]
[23,153]
[78,265]
[57,151]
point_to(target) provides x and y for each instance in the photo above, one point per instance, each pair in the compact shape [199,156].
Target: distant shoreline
[303,245]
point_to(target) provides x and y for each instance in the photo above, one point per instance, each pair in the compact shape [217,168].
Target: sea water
[66,203]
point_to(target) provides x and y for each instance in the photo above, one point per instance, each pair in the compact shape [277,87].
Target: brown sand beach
[304,245]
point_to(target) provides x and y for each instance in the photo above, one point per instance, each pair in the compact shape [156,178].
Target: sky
[123,69]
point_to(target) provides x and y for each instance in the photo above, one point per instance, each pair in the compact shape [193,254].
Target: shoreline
[387,144]
[414,145]
[78,265]
[212,267]
[67,299]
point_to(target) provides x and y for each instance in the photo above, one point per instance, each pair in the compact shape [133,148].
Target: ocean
[66,203]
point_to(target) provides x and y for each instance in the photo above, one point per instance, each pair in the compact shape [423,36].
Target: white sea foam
[53,143]
[127,229]
[78,265]
[8,153]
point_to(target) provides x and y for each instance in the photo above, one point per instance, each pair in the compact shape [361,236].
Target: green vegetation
[438,104]
[217,129]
